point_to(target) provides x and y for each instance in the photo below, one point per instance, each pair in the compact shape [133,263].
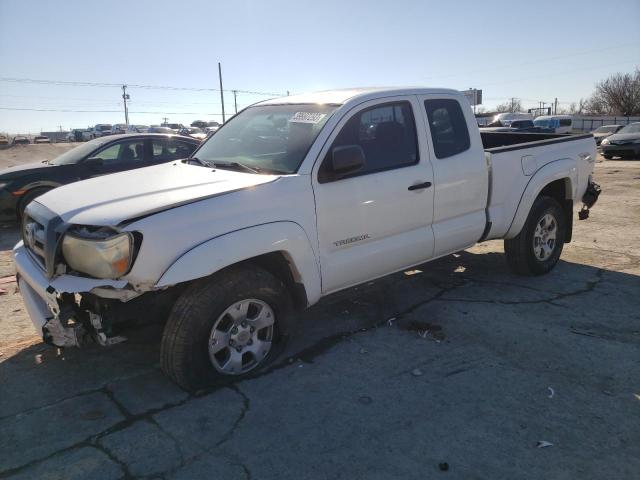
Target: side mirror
[347,159]
[93,163]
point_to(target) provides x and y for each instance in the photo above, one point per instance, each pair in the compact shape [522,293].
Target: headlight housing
[605,142]
[101,255]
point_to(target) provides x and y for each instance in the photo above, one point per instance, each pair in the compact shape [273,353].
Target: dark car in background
[522,126]
[604,131]
[20,140]
[19,185]
[625,143]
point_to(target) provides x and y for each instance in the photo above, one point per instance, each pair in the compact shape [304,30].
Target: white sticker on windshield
[307,117]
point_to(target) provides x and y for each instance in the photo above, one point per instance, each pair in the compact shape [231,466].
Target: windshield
[633,128]
[273,138]
[102,128]
[76,154]
[606,129]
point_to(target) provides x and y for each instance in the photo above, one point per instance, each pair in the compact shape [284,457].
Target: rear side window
[448,127]
[387,135]
[166,150]
[565,122]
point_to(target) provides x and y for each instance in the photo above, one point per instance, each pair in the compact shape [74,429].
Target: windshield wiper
[236,165]
[204,163]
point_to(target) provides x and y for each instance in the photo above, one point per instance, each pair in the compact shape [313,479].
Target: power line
[102,111]
[129,85]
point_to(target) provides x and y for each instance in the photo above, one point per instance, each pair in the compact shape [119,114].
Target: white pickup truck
[291,200]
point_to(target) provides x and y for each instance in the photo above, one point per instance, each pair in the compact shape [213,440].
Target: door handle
[420,186]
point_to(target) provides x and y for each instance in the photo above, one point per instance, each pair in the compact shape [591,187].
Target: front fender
[564,168]
[220,252]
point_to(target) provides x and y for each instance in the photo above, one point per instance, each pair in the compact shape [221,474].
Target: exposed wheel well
[279,265]
[560,190]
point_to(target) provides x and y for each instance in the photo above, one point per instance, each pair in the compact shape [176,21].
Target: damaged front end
[71,280]
[82,318]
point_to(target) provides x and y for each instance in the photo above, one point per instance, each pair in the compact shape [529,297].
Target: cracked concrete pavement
[449,362]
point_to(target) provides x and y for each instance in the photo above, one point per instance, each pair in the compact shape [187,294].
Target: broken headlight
[100,253]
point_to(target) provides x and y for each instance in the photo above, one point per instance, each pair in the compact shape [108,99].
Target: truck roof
[341,96]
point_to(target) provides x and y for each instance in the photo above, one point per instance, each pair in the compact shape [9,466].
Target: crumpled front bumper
[42,296]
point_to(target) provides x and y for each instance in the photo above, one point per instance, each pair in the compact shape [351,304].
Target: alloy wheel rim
[241,336]
[544,237]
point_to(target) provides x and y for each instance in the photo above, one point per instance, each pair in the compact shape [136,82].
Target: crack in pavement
[306,355]
[246,405]
[591,285]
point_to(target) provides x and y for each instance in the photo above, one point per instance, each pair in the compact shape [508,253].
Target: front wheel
[608,157]
[223,326]
[537,248]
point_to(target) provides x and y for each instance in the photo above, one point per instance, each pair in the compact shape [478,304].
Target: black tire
[608,157]
[184,351]
[27,198]
[519,251]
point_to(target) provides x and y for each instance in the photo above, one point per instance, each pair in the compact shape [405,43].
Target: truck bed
[515,158]
[495,142]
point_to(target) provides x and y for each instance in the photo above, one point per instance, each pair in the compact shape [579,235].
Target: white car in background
[554,123]
[119,129]
[101,130]
[137,129]
[505,119]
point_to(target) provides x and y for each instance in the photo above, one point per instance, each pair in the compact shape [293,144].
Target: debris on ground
[426,330]
[9,279]
[390,321]
[365,400]
[552,392]
[543,444]
[444,466]
[2,291]
[363,351]
[416,372]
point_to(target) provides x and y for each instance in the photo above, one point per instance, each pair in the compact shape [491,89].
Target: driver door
[375,220]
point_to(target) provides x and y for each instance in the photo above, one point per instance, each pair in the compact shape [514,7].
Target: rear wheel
[224,326]
[608,157]
[537,248]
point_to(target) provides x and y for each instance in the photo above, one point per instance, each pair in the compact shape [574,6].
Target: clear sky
[533,50]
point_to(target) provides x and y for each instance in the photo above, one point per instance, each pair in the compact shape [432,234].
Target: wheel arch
[281,248]
[558,180]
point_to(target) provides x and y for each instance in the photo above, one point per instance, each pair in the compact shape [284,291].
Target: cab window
[448,126]
[387,135]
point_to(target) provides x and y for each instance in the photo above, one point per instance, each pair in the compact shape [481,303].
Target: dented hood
[117,198]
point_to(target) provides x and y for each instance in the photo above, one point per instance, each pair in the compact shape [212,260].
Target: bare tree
[618,95]
[513,105]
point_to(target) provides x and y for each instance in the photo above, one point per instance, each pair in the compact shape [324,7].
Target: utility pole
[287,93]
[555,106]
[125,97]
[235,100]
[513,101]
[475,100]
[221,91]
[165,120]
